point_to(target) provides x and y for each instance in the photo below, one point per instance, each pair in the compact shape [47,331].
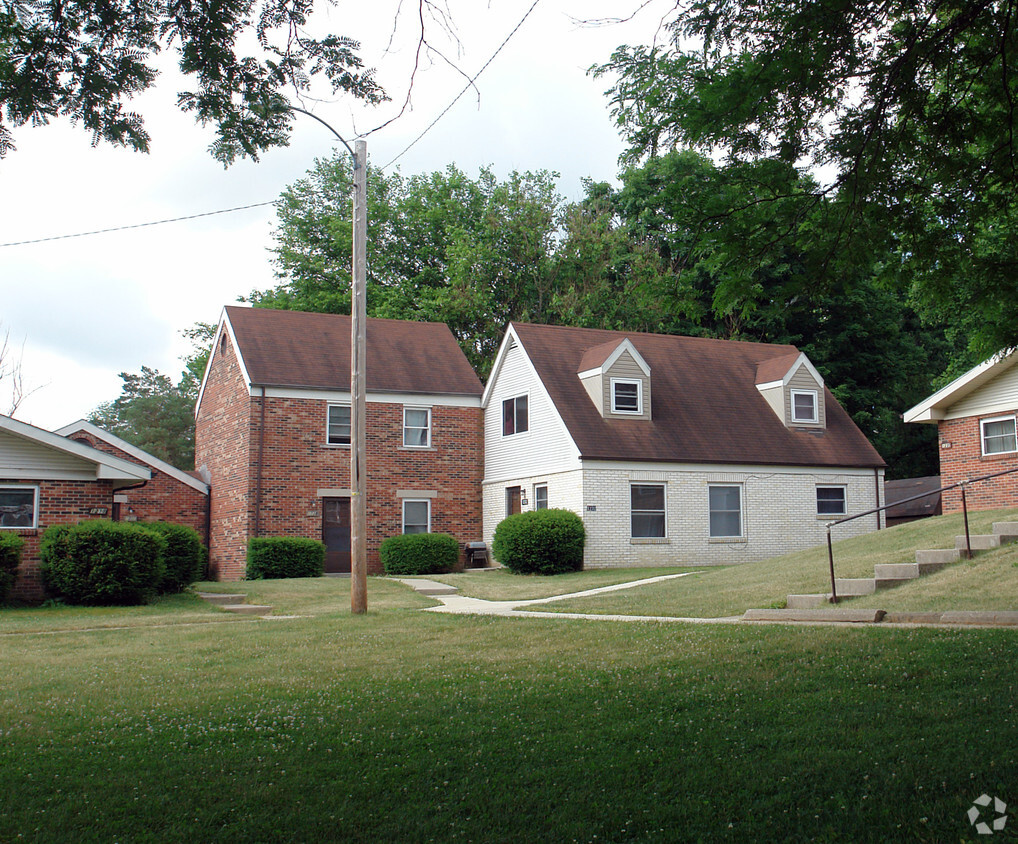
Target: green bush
[540,542]
[271,557]
[419,553]
[10,558]
[102,563]
[185,556]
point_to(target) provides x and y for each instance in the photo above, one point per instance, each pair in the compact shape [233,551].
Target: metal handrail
[964,508]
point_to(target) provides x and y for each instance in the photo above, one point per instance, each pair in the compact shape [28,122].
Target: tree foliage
[86,60]
[910,103]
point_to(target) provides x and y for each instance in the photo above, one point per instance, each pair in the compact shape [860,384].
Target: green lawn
[410,726]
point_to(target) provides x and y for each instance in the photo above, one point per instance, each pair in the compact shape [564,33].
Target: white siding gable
[997,396]
[545,447]
[22,458]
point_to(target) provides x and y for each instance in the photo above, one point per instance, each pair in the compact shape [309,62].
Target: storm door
[336,534]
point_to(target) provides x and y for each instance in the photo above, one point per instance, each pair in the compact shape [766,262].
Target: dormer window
[804,406]
[627,396]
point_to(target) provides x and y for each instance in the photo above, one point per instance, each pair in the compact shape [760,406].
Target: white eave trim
[801,361]
[935,407]
[106,466]
[224,325]
[626,346]
[82,426]
[508,339]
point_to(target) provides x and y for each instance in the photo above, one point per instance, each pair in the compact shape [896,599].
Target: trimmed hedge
[540,542]
[185,556]
[419,553]
[102,563]
[10,558]
[273,557]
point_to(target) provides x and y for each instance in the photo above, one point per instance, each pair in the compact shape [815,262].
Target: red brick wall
[162,499]
[964,459]
[222,447]
[60,503]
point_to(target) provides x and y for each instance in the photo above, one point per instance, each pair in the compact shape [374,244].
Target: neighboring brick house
[673,450]
[46,479]
[975,416]
[171,495]
[273,434]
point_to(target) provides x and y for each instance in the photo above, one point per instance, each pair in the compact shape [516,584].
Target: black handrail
[964,509]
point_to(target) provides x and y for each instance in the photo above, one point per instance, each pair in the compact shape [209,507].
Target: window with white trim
[515,416]
[416,427]
[416,515]
[19,507]
[541,497]
[338,425]
[725,511]
[804,406]
[627,395]
[998,435]
[647,511]
[831,501]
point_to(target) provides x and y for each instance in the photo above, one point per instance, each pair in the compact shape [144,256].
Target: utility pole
[358,370]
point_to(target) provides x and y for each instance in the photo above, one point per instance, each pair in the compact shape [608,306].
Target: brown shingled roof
[775,369]
[706,408]
[298,349]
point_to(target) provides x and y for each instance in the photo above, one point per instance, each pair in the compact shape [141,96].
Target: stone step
[221,597]
[247,609]
[897,571]
[853,587]
[1007,531]
[855,616]
[807,602]
[978,542]
[930,568]
[938,556]
[891,582]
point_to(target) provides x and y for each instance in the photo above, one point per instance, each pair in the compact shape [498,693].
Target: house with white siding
[673,450]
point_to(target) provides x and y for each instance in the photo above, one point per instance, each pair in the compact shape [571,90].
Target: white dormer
[617,379]
[794,390]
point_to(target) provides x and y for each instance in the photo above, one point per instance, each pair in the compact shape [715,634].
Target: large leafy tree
[473,253]
[85,60]
[908,104]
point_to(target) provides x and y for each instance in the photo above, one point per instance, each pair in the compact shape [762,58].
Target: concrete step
[807,602]
[898,571]
[855,616]
[853,587]
[247,609]
[930,568]
[978,541]
[221,598]
[891,582]
[938,556]
[1007,531]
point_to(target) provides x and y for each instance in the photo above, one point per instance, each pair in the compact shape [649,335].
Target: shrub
[185,555]
[270,557]
[540,542]
[419,553]
[102,563]
[10,558]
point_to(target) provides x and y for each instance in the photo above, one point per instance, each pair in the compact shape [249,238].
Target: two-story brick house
[273,434]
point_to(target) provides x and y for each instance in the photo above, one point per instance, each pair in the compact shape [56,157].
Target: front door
[513,500]
[336,534]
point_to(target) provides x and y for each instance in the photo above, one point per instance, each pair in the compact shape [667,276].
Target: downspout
[876,487]
[258,469]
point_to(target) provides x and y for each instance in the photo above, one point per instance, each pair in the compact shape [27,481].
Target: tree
[473,253]
[911,104]
[85,60]
[11,376]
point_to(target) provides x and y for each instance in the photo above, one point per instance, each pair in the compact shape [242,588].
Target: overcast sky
[87,308]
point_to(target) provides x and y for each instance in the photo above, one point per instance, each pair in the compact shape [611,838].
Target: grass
[411,726]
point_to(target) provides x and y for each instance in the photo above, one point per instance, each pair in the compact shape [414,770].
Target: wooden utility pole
[358,369]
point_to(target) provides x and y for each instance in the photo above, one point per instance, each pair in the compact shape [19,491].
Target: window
[339,424]
[416,427]
[831,501]
[514,416]
[725,511]
[19,506]
[416,516]
[541,497]
[627,396]
[647,508]
[804,406]
[999,435]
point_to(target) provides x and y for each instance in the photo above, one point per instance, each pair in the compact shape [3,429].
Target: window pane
[508,417]
[415,516]
[339,425]
[626,397]
[648,524]
[830,500]
[724,524]
[17,507]
[999,436]
[804,407]
[647,497]
[522,420]
[540,498]
[725,510]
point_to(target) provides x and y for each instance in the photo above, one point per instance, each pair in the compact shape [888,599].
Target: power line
[139,225]
[466,87]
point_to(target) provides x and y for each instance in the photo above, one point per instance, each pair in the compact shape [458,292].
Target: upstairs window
[804,406]
[338,425]
[725,511]
[831,501]
[998,435]
[627,396]
[647,510]
[515,419]
[416,427]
